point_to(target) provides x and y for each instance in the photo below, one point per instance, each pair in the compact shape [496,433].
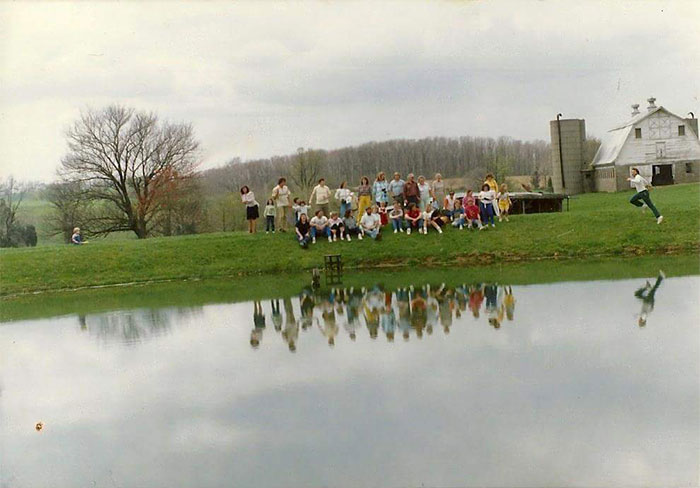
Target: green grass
[597,225]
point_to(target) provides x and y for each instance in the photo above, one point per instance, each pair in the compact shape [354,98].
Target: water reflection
[413,310]
[647,295]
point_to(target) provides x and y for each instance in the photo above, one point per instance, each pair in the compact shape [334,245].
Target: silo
[569,155]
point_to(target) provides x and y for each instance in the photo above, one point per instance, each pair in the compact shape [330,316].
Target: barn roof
[615,138]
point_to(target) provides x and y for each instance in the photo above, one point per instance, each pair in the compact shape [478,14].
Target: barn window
[681,130]
[688,167]
[638,133]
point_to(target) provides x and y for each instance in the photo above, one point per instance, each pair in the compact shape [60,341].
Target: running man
[642,185]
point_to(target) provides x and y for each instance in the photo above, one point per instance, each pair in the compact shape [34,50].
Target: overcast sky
[260,79]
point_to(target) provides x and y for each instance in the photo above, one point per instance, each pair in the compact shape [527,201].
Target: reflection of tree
[134,325]
[412,310]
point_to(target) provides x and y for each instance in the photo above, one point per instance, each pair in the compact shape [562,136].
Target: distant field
[597,225]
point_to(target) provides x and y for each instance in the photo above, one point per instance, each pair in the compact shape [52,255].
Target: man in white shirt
[323,195]
[319,225]
[371,223]
[641,185]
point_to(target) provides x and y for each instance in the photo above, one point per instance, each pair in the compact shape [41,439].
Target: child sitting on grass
[458,215]
[414,219]
[504,203]
[396,217]
[336,225]
[319,226]
[351,227]
[269,213]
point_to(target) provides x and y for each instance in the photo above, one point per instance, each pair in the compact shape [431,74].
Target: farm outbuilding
[662,145]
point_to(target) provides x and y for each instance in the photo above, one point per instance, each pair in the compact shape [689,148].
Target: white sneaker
[396,231]
[408,231]
[461,227]
[401,229]
[660,219]
[330,239]
[313,241]
[359,236]
[266,232]
[493,225]
[335,238]
[440,231]
[500,219]
[481,227]
[349,239]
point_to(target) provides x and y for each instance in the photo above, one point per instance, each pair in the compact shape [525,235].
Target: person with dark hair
[642,186]
[486,198]
[371,223]
[319,226]
[351,226]
[364,197]
[281,195]
[344,197]
[303,231]
[251,208]
[323,195]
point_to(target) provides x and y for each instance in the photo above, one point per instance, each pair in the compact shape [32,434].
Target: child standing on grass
[337,227]
[642,186]
[414,219]
[300,207]
[396,217]
[351,226]
[384,219]
[504,203]
[269,213]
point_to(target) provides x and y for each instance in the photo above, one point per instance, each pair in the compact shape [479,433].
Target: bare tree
[70,208]
[307,168]
[130,162]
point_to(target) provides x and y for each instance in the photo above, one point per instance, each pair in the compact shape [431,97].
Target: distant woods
[128,171]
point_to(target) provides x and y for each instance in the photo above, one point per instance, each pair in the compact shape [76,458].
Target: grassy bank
[597,225]
[203,292]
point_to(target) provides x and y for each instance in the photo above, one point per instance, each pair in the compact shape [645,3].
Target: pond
[416,381]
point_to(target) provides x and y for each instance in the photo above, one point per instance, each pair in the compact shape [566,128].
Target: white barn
[664,146]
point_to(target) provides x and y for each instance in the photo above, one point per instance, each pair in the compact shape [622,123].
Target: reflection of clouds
[571,392]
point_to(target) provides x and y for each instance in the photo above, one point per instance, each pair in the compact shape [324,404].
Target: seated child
[414,219]
[351,226]
[458,215]
[319,225]
[396,216]
[336,225]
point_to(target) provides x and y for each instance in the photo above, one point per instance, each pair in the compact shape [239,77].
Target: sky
[263,79]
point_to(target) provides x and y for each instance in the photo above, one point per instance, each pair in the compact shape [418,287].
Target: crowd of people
[413,205]
[405,311]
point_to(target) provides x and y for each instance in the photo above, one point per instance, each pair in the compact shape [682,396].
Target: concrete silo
[568,140]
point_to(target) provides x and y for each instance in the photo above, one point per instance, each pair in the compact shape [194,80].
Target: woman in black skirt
[251,208]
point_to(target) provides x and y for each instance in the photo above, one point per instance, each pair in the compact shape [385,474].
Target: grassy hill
[597,225]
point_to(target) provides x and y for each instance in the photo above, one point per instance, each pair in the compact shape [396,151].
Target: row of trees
[13,233]
[127,171]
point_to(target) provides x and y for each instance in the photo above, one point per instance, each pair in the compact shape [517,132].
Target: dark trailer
[533,202]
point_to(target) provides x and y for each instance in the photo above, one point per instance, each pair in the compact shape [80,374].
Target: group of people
[409,206]
[404,311]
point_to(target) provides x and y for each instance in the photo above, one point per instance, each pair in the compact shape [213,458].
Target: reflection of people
[491,307]
[509,302]
[646,295]
[258,325]
[276,315]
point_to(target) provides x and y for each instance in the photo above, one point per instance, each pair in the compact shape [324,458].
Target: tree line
[126,170]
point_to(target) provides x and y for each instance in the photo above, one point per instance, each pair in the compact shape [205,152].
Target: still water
[580,383]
